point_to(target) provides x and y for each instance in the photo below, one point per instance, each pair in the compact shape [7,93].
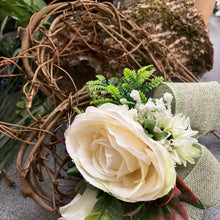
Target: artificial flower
[113,153]
[179,139]
[80,206]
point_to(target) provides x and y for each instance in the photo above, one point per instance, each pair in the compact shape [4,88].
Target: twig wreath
[67,44]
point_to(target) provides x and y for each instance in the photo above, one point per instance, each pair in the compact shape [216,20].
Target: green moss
[160,12]
[174,21]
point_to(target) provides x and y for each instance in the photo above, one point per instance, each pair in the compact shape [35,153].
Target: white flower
[179,141]
[150,105]
[144,109]
[136,96]
[80,207]
[167,98]
[113,153]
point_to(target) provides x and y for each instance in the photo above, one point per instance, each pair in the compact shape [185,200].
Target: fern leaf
[146,74]
[143,73]
[126,87]
[139,82]
[153,84]
[97,87]
[130,75]
[114,91]
[101,77]
[143,97]
[100,101]
[94,82]
[113,81]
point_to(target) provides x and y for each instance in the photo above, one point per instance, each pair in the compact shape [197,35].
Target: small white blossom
[160,106]
[150,105]
[168,97]
[136,96]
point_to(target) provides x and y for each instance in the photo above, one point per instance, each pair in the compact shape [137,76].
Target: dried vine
[64,46]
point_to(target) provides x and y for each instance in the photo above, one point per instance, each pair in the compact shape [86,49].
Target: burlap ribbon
[201,102]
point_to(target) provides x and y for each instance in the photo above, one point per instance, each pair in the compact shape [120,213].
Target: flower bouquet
[131,156]
[131,152]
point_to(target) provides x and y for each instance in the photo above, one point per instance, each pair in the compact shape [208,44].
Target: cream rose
[80,207]
[113,153]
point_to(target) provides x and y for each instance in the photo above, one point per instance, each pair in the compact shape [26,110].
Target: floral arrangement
[126,148]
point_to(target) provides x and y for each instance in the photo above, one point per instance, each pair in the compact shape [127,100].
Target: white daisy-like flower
[179,141]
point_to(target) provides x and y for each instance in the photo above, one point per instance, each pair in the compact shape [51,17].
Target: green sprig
[114,90]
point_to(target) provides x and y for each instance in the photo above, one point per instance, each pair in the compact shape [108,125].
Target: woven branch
[64,46]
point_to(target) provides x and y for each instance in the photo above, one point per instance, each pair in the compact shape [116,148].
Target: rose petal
[80,206]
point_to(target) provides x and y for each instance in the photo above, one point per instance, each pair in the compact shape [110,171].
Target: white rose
[113,153]
[80,207]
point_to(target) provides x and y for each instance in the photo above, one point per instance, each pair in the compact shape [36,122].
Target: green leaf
[71,163]
[106,208]
[136,210]
[81,187]
[20,9]
[149,125]
[153,84]
[143,97]
[132,104]
[114,92]
[130,75]
[77,110]
[143,75]
[113,81]
[20,104]
[100,77]
[102,101]
[157,136]
[73,171]
[126,87]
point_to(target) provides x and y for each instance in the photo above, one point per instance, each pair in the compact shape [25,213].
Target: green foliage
[153,84]
[112,81]
[114,92]
[8,89]
[13,13]
[106,208]
[20,10]
[104,91]
[134,80]
[101,78]
[148,126]
[11,97]
[73,171]
[39,107]
[170,206]
[143,97]
[102,101]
